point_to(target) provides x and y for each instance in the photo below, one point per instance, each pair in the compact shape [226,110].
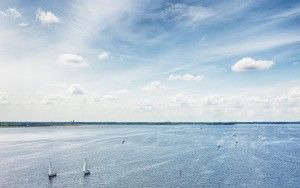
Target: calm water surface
[152,156]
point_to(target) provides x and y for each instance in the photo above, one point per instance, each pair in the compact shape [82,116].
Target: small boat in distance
[50,173]
[84,169]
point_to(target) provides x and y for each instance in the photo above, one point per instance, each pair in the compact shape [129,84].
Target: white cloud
[294,92]
[76,89]
[23,24]
[46,17]
[191,15]
[72,60]
[186,77]
[59,85]
[121,91]
[52,99]
[148,105]
[240,107]
[109,97]
[153,86]
[211,100]
[104,56]
[3,100]
[97,100]
[179,100]
[292,98]
[10,12]
[248,63]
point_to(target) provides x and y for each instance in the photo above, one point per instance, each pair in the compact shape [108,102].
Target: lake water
[152,156]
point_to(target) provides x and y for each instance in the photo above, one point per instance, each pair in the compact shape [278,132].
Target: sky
[150,60]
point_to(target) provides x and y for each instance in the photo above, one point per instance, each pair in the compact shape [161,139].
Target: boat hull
[52,175]
[86,172]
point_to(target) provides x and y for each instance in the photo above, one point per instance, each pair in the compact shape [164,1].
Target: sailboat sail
[84,165]
[49,172]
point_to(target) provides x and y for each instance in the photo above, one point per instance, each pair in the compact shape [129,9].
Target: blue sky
[149,60]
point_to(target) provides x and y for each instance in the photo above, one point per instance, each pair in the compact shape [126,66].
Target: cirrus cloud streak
[186,77]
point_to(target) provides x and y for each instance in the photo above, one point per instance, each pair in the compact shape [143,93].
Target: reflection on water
[152,156]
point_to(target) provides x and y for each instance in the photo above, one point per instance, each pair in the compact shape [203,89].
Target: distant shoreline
[79,123]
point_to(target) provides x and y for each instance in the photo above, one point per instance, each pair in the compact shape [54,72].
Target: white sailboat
[84,169]
[50,173]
